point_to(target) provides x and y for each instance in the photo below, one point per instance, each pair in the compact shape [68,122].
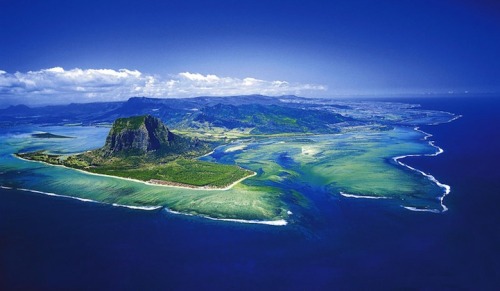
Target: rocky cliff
[138,134]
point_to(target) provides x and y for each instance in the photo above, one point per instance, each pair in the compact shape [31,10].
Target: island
[291,147]
[143,148]
[48,135]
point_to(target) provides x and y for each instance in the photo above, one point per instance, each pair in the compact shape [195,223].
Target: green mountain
[143,148]
[141,134]
[270,119]
[147,135]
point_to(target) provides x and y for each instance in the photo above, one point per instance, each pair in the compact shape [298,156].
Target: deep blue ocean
[49,243]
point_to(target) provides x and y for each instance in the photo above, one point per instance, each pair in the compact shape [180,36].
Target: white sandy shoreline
[280,222]
[207,154]
[202,188]
[397,159]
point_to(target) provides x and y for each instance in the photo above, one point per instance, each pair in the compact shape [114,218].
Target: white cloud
[57,85]
[199,77]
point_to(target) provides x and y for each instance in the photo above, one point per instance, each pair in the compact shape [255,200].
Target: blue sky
[58,51]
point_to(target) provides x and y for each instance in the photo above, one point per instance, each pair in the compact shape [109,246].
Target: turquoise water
[356,164]
[337,243]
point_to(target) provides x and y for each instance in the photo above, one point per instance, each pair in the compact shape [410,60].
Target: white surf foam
[362,196]
[420,209]
[455,118]
[452,119]
[56,195]
[82,199]
[137,207]
[446,188]
[280,222]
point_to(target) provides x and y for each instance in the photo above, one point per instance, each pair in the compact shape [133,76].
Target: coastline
[446,188]
[155,182]
[197,188]
[280,222]
[207,154]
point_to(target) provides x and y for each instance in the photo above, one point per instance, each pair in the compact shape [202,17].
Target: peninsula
[143,148]
[347,149]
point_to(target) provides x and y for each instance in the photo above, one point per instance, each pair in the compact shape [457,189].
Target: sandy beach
[151,182]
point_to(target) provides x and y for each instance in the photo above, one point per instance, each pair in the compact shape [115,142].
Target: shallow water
[50,243]
[358,162]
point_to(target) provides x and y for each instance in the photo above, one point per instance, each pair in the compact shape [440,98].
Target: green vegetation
[289,148]
[133,123]
[142,148]
[288,145]
[179,172]
[199,173]
[270,119]
[41,157]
